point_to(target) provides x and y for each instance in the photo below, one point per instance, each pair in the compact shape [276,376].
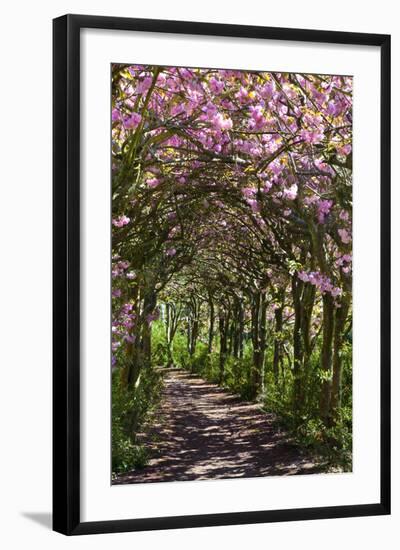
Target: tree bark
[149,304]
[211,325]
[326,355]
[307,306]
[259,311]
[172,320]
[223,336]
[277,343]
[298,350]
[340,320]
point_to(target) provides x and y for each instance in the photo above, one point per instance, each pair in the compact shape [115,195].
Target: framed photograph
[221,274]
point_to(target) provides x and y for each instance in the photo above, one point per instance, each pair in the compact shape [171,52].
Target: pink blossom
[344,235]
[144,85]
[254,205]
[311,200]
[336,291]
[321,281]
[209,110]
[248,192]
[267,91]
[170,252]
[258,120]
[172,232]
[242,95]
[276,167]
[115,115]
[312,136]
[216,86]
[121,221]
[267,186]
[291,193]
[344,149]
[133,121]
[222,123]
[153,182]
[302,275]
[324,207]
[331,108]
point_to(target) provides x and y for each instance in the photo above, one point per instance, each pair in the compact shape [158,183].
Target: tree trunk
[277,343]
[194,335]
[168,323]
[340,320]
[223,329]
[149,304]
[307,306]
[241,331]
[172,319]
[259,338]
[326,355]
[211,326]
[263,340]
[298,350]
[238,331]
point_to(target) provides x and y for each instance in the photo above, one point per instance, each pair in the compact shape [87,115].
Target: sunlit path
[203,432]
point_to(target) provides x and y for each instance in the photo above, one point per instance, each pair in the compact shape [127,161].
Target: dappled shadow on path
[203,432]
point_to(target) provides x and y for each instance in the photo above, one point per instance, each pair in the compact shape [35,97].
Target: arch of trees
[231,214]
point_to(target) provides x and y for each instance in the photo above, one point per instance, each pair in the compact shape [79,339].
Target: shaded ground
[203,432]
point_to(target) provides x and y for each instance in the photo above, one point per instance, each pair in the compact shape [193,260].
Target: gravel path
[203,432]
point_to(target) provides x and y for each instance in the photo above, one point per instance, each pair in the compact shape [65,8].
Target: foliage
[130,410]
[159,353]
[333,442]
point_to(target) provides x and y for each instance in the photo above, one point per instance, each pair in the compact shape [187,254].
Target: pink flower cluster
[344,263]
[291,193]
[322,282]
[119,268]
[222,123]
[324,207]
[152,182]
[257,120]
[254,205]
[123,323]
[312,136]
[344,235]
[133,121]
[121,221]
[216,86]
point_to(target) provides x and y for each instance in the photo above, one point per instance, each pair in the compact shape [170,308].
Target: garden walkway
[200,431]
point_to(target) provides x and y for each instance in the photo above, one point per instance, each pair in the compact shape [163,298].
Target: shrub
[130,410]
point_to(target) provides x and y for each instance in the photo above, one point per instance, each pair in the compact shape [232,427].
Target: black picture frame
[66,273]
